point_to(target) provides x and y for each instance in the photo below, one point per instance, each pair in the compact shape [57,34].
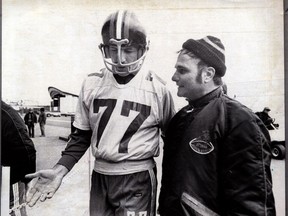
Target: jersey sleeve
[82,111]
[80,140]
[76,147]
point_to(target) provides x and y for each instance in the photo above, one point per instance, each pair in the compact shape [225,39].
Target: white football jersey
[125,119]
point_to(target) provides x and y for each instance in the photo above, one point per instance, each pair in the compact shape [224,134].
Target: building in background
[62,103]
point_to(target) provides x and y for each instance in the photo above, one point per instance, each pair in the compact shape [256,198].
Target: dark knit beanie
[209,49]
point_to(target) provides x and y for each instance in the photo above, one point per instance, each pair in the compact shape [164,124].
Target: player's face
[188,78]
[126,55]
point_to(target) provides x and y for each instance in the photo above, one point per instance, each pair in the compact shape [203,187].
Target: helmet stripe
[119,24]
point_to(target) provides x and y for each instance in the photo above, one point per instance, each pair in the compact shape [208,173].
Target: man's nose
[175,77]
[122,57]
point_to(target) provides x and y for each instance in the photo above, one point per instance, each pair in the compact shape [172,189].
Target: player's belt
[123,167]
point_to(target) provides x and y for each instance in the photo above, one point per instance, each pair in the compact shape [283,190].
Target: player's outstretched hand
[44,184]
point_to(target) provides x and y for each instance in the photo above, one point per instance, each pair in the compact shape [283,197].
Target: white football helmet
[123,28]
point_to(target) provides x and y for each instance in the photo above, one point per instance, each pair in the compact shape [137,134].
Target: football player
[122,111]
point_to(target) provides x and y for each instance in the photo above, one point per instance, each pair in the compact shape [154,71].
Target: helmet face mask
[121,32]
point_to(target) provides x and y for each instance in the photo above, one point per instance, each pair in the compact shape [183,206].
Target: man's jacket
[18,151]
[30,118]
[216,161]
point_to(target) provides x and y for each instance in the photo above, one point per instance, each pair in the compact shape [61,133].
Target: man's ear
[140,52]
[209,74]
[106,51]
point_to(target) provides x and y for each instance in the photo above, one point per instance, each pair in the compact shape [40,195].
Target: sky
[55,43]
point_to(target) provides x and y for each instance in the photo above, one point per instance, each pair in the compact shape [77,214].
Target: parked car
[53,114]
[277,143]
[67,114]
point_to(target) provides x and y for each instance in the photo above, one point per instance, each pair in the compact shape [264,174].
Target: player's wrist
[60,170]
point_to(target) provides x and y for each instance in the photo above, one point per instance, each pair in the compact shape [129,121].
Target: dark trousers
[42,129]
[31,130]
[131,194]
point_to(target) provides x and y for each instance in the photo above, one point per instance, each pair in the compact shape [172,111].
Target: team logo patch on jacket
[202,144]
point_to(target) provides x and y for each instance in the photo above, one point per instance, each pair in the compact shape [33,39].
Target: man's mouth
[122,69]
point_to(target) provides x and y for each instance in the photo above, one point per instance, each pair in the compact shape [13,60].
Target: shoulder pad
[101,74]
[151,75]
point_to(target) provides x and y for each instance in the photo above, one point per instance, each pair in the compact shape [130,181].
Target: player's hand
[44,185]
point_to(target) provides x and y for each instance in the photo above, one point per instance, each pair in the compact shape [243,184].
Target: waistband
[123,167]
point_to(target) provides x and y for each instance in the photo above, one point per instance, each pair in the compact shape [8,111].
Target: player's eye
[113,49]
[181,70]
[129,49]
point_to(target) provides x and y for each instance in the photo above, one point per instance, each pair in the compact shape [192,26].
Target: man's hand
[44,184]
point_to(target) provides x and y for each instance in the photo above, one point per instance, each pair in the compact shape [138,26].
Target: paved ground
[73,196]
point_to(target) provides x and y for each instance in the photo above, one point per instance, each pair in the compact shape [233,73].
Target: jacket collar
[206,98]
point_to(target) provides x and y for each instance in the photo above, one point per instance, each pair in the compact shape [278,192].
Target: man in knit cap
[216,153]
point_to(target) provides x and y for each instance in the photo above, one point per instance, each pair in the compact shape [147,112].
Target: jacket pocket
[192,206]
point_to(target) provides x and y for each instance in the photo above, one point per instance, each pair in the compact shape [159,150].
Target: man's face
[188,77]
[126,55]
